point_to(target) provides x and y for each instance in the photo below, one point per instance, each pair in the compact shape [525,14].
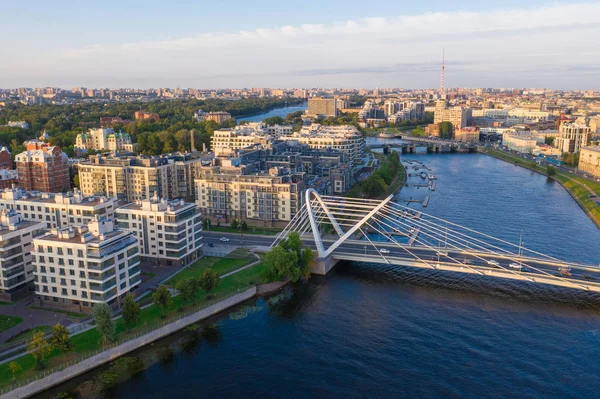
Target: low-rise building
[76,267]
[524,142]
[466,134]
[57,209]
[8,178]
[219,116]
[589,160]
[16,236]
[140,116]
[169,232]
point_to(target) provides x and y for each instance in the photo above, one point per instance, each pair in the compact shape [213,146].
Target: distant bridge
[410,145]
[385,232]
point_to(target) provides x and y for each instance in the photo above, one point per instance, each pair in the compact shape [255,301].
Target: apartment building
[226,141]
[344,138]
[132,178]
[322,107]
[103,139]
[169,232]
[264,198]
[8,178]
[43,167]
[76,267]
[524,142]
[16,236]
[458,116]
[573,136]
[589,160]
[57,209]
[5,159]
[467,134]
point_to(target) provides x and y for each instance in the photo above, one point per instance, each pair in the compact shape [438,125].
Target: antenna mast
[443,68]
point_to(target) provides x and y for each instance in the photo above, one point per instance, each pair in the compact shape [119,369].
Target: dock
[432,187]
[426,201]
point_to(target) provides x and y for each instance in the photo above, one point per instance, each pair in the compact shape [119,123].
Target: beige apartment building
[589,160]
[573,136]
[322,107]
[226,141]
[57,209]
[458,116]
[261,199]
[130,179]
[16,236]
[169,232]
[76,267]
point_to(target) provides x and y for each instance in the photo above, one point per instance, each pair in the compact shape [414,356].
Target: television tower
[443,68]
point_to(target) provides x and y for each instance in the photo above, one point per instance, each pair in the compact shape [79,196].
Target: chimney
[192,140]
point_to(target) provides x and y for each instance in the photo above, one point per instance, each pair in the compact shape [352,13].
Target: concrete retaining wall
[111,354]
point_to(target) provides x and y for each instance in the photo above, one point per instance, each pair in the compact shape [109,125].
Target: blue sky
[306,43]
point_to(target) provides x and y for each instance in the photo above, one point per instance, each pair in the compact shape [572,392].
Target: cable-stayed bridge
[377,231]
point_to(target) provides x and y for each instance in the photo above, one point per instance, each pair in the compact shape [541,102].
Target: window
[69,251]
[73,292]
[71,272]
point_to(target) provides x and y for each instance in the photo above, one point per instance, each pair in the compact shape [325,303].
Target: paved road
[431,256]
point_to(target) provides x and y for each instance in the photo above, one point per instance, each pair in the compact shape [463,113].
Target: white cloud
[493,48]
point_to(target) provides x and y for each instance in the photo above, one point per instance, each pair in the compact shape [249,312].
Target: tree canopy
[289,260]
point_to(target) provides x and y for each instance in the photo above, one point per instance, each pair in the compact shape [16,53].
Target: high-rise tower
[442,78]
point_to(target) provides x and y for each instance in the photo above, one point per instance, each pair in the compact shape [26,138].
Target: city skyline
[485,47]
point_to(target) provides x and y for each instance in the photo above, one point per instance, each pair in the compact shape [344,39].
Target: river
[282,112]
[370,330]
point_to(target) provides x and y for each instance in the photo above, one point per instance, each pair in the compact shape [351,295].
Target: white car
[493,263]
[516,266]
[384,251]
[224,239]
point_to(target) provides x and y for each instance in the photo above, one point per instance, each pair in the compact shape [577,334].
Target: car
[210,244]
[515,266]
[224,239]
[384,251]
[493,263]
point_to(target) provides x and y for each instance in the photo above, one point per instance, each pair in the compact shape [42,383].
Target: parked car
[210,244]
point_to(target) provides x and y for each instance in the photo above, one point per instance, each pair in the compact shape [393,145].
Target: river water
[369,330]
[282,112]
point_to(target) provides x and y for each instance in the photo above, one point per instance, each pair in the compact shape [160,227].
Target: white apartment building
[16,236]
[572,137]
[76,267]
[169,232]
[57,209]
[226,141]
[344,138]
[103,139]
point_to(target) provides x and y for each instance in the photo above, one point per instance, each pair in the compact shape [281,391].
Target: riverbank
[118,349]
[88,343]
[579,188]
[265,114]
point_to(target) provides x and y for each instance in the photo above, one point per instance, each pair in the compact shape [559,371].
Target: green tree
[445,130]
[417,132]
[235,224]
[14,368]
[549,140]
[60,338]
[188,288]
[40,349]
[76,181]
[130,310]
[550,170]
[273,120]
[209,280]
[104,323]
[244,225]
[162,299]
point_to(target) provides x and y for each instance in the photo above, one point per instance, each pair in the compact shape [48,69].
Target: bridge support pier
[323,265]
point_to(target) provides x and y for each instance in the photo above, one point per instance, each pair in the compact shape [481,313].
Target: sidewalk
[31,318]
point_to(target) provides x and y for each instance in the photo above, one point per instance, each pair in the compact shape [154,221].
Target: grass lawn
[7,322]
[219,265]
[65,312]
[3,303]
[24,335]
[90,340]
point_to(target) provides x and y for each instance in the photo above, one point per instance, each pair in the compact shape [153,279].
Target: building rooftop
[70,198]
[158,205]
